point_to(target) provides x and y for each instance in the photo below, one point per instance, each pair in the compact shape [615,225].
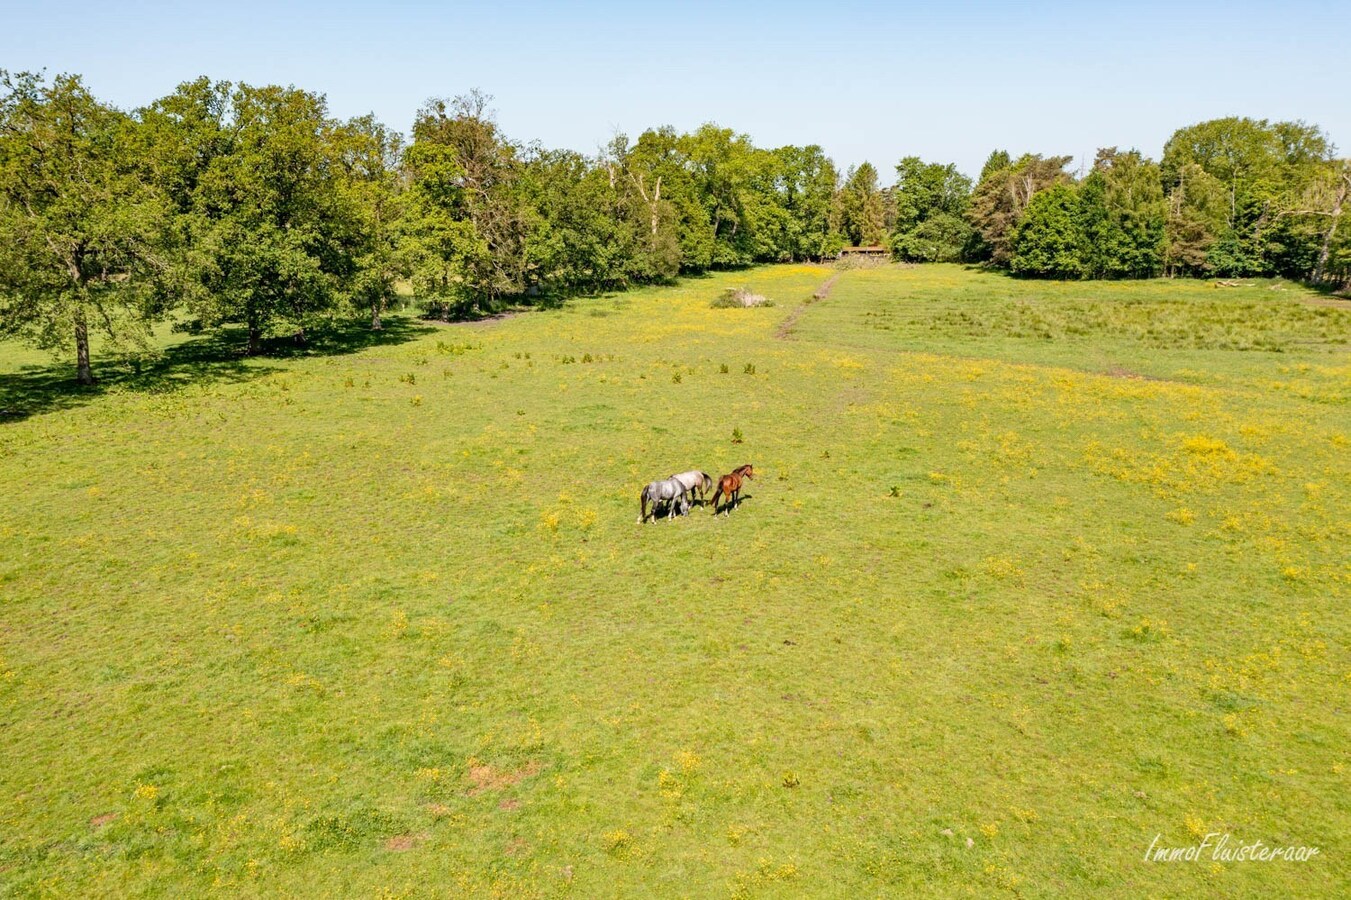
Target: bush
[740,298]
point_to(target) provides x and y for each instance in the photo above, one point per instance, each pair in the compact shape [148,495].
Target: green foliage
[997,161]
[236,204]
[805,182]
[1263,172]
[1121,211]
[83,237]
[1049,240]
[861,207]
[940,238]
[488,219]
[931,201]
[468,225]
[1196,214]
[371,158]
[1003,193]
[273,227]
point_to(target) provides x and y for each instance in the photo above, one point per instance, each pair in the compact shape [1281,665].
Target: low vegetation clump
[740,298]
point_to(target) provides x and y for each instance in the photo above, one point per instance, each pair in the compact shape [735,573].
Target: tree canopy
[81,234]
[253,206]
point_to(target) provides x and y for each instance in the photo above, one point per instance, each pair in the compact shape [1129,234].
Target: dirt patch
[824,290]
[440,810]
[786,326]
[100,821]
[510,804]
[517,846]
[401,843]
[484,777]
[1129,375]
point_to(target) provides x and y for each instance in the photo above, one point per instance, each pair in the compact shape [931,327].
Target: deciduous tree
[1121,209]
[82,234]
[1003,193]
[257,174]
[930,200]
[1049,241]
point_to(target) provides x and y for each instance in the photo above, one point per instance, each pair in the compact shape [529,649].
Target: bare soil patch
[487,778]
[401,843]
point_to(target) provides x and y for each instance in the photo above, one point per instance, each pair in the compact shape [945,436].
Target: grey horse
[695,482]
[669,491]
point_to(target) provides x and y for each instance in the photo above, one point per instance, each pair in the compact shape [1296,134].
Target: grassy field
[1031,574]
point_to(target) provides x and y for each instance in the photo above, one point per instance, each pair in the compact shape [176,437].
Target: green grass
[1030,574]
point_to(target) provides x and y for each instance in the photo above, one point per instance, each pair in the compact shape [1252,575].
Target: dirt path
[785,329]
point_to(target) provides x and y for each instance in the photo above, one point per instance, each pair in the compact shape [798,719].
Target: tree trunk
[255,339]
[1320,270]
[376,324]
[83,373]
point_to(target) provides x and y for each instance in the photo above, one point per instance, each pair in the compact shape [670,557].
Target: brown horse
[729,487]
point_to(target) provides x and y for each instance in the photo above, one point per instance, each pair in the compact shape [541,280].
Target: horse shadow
[730,505]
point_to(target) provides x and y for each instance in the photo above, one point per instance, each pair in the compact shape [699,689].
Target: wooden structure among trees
[871,251]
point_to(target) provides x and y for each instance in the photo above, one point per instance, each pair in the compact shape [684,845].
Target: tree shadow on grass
[215,357]
[1333,289]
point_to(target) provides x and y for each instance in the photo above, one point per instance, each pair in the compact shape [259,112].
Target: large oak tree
[81,233]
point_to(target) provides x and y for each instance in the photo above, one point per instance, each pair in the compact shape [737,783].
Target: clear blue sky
[947,82]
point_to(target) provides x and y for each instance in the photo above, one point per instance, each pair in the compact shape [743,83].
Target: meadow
[1031,575]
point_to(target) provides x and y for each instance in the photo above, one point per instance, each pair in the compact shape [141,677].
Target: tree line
[253,206]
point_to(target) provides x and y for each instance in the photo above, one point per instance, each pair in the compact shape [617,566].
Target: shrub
[740,298]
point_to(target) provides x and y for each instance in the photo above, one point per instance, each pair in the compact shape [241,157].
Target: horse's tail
[642,506]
